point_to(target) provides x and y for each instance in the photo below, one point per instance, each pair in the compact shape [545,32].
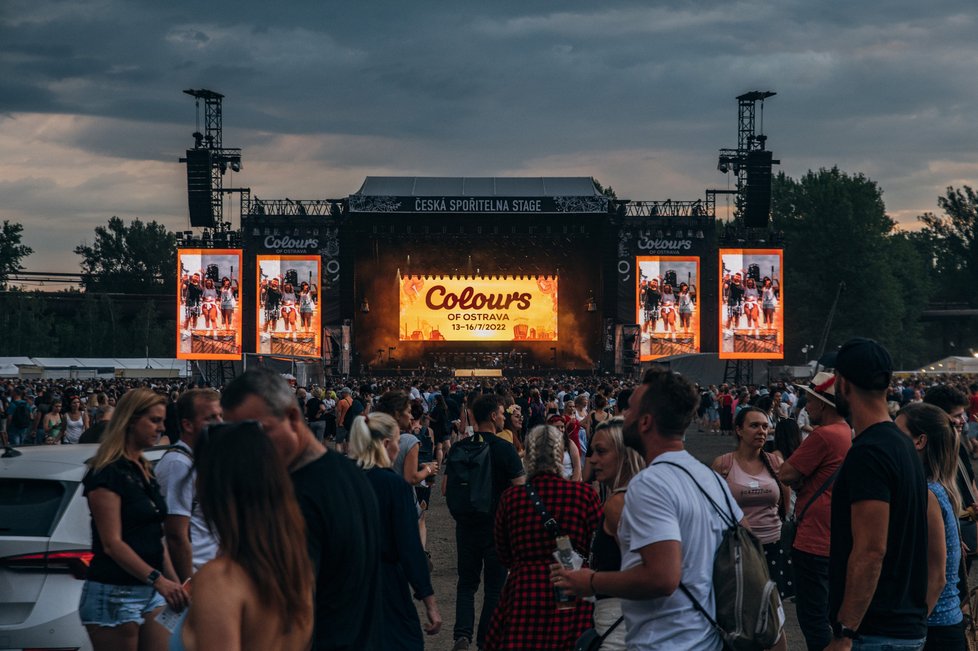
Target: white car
[45,545]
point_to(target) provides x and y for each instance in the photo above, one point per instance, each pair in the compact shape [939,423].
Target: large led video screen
[289,316]
[666,305]
[751,304]
[208,318]
[478,308]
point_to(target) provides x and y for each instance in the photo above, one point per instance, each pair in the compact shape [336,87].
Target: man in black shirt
[474,540]
[877,583]
[338,504]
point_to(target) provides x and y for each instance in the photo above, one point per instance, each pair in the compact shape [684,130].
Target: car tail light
[75,562]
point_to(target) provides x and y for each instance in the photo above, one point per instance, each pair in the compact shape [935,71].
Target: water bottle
[569,560]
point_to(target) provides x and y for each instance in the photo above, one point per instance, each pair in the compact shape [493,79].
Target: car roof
[60,462]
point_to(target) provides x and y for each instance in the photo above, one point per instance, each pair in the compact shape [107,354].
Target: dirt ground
[441,544]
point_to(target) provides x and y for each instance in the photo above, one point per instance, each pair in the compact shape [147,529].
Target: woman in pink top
[751,474]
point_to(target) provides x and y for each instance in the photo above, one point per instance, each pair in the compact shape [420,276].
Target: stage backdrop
[667,290]
[751,304]
[289,316]
[208,314]
[478,308]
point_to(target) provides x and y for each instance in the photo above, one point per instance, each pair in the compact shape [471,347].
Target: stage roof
[486,186]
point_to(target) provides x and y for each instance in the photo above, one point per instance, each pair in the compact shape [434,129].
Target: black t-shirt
[194,292]
[142,512]
[312,409]
[883,465]
[343,534]
[734,294]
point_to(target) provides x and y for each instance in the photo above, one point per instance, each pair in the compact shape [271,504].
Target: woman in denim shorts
[130,578]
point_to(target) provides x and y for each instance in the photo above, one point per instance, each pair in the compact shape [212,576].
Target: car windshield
[30,507]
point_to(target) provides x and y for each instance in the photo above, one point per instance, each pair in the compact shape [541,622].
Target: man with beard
[812,469]
[877,583]
[668,532]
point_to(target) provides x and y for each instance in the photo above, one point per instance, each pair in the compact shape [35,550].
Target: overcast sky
[640,95]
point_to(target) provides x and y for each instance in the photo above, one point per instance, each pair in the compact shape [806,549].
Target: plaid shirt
[527,615]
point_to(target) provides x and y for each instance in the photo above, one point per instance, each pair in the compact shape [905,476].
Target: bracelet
[591,583]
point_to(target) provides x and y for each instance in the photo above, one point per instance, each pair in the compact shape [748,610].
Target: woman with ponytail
[374,442]
[527,616]
[937,446]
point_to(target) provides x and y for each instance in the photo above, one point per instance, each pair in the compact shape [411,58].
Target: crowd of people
[302,517]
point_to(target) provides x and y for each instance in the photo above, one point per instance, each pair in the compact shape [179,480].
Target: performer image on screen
[193,292]
[307,306]
[735,296]
[769,302]
[272,305]
[667,308]
[209,306]
[651,305]
[288,307]
[750,304]
[685,306]
[229,295]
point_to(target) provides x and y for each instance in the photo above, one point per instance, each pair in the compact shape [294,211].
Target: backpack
[749,613]
[21,416]
[469,477]
[355,409]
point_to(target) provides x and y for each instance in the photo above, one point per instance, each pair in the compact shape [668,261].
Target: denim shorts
[104,604]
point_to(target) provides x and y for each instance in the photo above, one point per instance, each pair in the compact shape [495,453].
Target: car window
[30,507]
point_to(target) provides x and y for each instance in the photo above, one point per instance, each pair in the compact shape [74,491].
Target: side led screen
[478,308]
[289,316]
[751,304]
[667,310]
[208,318]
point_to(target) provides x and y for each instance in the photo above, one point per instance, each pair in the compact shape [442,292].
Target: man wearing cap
[812,470]
[878,558]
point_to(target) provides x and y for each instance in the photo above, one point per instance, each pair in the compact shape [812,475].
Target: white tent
[950,365]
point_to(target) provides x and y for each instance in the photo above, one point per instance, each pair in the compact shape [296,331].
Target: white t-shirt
[662,503]
[176,476]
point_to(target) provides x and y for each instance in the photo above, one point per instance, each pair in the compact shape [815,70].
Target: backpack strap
[728,518]
[549,523]
[178,449]
[821,489]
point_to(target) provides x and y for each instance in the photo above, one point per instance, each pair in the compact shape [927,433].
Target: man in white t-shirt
[188,538]
[668,532]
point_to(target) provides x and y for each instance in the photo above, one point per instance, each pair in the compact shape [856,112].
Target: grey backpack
[749,613]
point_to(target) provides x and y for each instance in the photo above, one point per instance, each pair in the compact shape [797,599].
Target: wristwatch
[841,631]
[152,576]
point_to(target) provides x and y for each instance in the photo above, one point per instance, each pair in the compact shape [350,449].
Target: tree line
[835,230]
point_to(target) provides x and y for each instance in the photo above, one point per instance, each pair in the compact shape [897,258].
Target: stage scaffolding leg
[739,371]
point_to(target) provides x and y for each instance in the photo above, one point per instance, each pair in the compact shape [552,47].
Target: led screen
[751,304]
[478,308]
[667,311]
[289,316]
[208,318]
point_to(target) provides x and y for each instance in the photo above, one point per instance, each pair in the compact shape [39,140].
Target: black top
[343,533]
[400,541]
[312,409]
[734,294]
[194,292]
[605,554]
[506,466]
[273,299]
[426,447]
[143,511]
[883,465]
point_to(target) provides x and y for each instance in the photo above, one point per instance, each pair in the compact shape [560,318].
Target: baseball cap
[865,363]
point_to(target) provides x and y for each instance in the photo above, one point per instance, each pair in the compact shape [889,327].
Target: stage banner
[667,309]
[208,318]
[478,308]
[289,316]
[751,304]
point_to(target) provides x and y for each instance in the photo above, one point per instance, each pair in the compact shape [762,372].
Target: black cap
[865,363]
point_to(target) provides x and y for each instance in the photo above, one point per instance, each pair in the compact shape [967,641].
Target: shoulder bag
[790,526]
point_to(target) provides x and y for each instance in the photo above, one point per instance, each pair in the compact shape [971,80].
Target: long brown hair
[248,500]
[940,453]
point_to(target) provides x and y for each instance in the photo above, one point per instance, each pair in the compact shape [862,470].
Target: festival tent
[101,367]
[955,365]
[11,366]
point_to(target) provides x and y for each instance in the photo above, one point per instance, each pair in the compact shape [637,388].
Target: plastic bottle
[569,560]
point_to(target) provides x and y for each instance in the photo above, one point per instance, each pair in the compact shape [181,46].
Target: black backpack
[356,409]
[469,477]
[21,417]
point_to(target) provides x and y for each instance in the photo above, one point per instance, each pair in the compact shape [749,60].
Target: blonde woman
[614,464]
[130,578]
[525,618]
[374,442]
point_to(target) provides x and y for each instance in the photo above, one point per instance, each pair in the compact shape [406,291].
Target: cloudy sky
[320,94]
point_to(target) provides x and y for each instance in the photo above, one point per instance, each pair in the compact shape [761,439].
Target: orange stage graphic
[751,304]
[289,317]
[478,308]
[667,310]
[208,301]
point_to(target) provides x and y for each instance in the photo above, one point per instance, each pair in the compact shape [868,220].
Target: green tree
[137,259]
[836,230]
[954,236]
[11,250]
